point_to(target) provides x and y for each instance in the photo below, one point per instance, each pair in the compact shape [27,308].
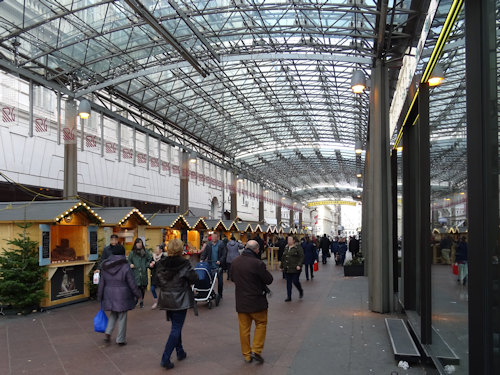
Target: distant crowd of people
[123,281]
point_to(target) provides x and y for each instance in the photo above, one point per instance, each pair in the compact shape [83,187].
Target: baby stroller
[203,288]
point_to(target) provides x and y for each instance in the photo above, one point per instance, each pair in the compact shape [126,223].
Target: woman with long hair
[139,259]
[175,276]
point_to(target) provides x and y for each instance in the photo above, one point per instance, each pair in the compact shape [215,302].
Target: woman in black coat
[175,277]
[117,292]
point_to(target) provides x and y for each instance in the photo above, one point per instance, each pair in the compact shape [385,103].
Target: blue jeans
[292,278]
[174,340]
[153,291]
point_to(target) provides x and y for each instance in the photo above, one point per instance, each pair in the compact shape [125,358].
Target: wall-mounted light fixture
[358,148]
[84,109]
[437,76]
[358,82]
[192,157]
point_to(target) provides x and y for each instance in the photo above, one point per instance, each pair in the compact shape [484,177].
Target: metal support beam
[261,204]
[70,186]
[483,187]
[409,262]
[379,203]
[234,197]
[193,28]
[142,12]
[424,204]
[394,198]
[184,184]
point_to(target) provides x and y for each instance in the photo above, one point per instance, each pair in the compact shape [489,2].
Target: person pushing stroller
[215,254]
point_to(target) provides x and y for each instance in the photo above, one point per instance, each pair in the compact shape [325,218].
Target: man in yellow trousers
[251,278]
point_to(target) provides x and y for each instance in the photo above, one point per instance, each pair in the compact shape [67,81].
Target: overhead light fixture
[358,147]
[437,76]
[359,175]
[239,178]
[283,198]
[358,82]
[192,157]
[84,109]
[400,148]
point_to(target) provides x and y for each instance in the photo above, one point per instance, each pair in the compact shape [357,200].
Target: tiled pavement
[329,331]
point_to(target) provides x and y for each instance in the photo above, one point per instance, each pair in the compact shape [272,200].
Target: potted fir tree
[21,278]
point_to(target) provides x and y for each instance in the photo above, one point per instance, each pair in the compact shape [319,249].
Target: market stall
[66,231]
[165,227]
[128,223]
[244,229]
[231,229]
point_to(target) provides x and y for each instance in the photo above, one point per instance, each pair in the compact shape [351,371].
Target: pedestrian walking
[251,278]
[117,293]
[175,277]
[139,259]
[291,263]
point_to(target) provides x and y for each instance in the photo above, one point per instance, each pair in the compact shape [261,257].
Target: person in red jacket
[251,278]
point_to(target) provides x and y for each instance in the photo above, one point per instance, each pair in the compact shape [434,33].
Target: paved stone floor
[329,331]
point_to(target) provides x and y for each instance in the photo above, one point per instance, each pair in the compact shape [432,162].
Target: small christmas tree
[21,278]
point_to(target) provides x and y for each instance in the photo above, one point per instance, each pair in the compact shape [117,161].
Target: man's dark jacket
[221,253]
[250,277]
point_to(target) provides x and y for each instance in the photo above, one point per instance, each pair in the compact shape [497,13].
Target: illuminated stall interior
[198,229]
[66,231]
[122,221]
[165,227]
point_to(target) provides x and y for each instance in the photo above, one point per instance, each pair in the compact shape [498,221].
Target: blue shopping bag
[100,321]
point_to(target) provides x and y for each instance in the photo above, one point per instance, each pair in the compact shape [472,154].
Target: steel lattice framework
[262,87]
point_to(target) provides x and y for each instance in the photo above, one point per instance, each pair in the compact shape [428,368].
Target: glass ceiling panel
[275,74]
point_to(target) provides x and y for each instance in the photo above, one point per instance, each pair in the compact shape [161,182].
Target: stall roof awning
[45,211]
[214,223]
[230,225]
[168,220]
[196,223]
[118,215]
[244,226]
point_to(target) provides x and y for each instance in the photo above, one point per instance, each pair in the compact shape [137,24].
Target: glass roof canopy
[262,87]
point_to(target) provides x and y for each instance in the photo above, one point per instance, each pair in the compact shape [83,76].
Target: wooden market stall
[197,230]
[165,227]
[231,229]
[128,223]
[244,229]
[66,231]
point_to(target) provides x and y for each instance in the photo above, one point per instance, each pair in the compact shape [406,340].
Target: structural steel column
[394,196]
[234,198]
[424,228]
[291,220]
[261,204]
[300,218]
[278,214]
[379,200]
[482,175]
[70,188]
[184,184]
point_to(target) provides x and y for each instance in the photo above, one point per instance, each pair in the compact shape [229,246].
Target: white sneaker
[155,305]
